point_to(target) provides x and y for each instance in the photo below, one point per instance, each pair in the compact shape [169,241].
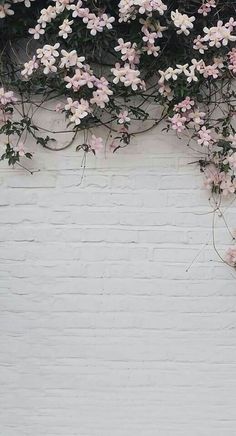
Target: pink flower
[228,186]
[65,28]
[197,117]
[127,75]
[79,109]
[94,24]
[96,143]
[198,44]
[210,71]
[6,97]
[47,15]
[232,60]
[70,59]
[37,31]
[5,10]
[152,49]
[107,21]
[123,117]
[58,107]
[184,105]
[205,137]
[178,122]
[231,256]
[149,37]
[206,7]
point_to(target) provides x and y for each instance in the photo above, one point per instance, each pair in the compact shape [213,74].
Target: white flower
[182,68]
[70,59]
[106,21]
[65,28]
[29,67]
[79,110]
[49,66]
[168,74]
[182,21]
[5,10]
[218,35]
[190,74]
[126,75]
[37,31]
[47,15]
[123,117]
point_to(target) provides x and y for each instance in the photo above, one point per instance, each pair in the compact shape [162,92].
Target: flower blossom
[101,95]
[184,105]
[126,75]
[198,44]
[36,31]
[123,117]
[71,59]
[96,143]
[98,23]
[30,67]
[6,97]
[232,60]
[230,257]
[129,51]
[206,7]
[197,117]
[183,22]
[218,35]
[65,28]
[128,9]
[47,15]
[78,109]
[228,186]
[27,3]
[205,137]
[5,10]
[178,122]
[210,71]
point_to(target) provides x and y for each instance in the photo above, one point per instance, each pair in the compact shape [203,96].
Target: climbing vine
[105,61]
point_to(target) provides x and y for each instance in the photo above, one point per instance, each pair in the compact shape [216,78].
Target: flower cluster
[206,7]
[7,8]
[129,9]
[107,61]
[7,99]
[183,22]
[94,23]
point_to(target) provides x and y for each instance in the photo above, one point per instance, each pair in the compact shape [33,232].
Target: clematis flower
[230,257]
[65,28]
[205,137]
[5,10]
[183,22]
[123,117]
[96,144]
[178,122]
[36,31]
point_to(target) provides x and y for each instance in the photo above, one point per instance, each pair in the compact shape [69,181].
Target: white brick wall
[102,330]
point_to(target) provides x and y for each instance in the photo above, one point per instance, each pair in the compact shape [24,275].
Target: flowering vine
[105,59]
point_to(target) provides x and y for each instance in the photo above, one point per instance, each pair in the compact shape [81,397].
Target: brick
[116,315]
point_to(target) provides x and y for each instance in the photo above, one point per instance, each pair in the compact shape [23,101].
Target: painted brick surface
[117,317]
